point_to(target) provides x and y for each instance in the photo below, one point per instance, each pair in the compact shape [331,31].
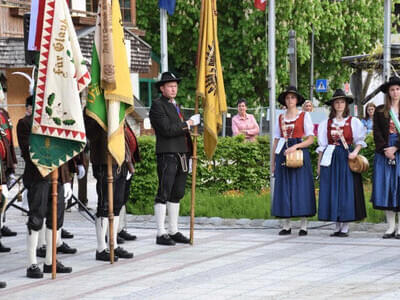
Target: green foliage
[144,182]
[341,29]
[236,165]
[232,185]
[249,205]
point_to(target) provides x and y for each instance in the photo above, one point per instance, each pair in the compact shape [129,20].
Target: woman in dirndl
[341,194]
[294,194]
[386,178]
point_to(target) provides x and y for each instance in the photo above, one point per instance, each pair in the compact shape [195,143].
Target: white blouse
[308,125]
[358,129]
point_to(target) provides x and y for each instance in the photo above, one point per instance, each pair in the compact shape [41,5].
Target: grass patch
[236,205]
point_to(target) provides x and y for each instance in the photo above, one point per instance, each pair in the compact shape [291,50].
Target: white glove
[11,180]
[67,191]
[81,171]
[196,119]
[128,175]
[190,166]
[4,190]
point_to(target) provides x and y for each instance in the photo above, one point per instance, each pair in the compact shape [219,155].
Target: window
[91,5]
[126,10]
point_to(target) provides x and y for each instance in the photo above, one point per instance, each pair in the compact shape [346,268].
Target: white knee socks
[115,232]
[42,235]
[303,224]
[173,215]
[122,219]
[49,247]
[32,241]
[160,212]
[344,227]
[286,224]
[101,231]
[391,221]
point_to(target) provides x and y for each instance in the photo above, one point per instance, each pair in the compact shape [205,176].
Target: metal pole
[164,39]
[386,40]
[312,66]
[271,78]
[224,125]
[292,51]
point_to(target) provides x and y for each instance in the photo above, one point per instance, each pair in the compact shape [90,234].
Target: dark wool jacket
[172,135]
[31,172]
[381,130]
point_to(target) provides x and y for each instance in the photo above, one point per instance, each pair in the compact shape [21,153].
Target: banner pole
[110,207]
[54,195]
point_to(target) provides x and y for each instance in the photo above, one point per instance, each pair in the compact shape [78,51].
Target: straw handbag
[294,159]
[359,165]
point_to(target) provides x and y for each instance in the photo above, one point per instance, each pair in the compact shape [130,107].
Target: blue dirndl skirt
[341,194]
[386,181]
[294,193]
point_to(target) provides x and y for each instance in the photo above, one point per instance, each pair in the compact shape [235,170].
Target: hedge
[236,166]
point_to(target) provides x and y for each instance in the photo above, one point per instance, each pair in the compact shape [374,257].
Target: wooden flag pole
[54,196]
[110,207]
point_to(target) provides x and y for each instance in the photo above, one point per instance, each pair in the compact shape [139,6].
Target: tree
[344,28]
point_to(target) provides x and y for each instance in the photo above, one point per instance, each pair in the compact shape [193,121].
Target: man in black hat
[173,149]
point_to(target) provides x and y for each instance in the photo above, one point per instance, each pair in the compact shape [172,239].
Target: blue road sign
[321,86]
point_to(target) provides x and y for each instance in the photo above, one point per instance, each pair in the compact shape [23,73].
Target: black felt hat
[293,90]
[166,77]
[394,80]
[340,94]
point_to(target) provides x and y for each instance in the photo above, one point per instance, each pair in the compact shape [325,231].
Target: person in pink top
[244,123]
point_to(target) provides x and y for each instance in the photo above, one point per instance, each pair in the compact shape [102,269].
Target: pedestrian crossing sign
[321,86]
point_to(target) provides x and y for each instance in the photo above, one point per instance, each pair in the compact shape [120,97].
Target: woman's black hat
[340,94]
[293,90]
[166,77]
[394,80]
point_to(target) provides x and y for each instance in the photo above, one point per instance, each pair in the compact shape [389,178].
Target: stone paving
[230,259]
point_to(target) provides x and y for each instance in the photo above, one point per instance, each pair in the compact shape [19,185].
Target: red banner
[260,4]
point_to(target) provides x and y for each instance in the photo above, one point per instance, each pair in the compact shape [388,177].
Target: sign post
[321,85]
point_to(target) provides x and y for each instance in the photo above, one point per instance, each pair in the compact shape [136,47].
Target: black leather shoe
[5,231]
[34,272]
[4,248]
[123,234]
[165,240]
[66,234]
[105,255]
[397,236]
[2,284]
[343,234]
[60,268]
[41,252]
[122,253]
[285,231]
[64,248]
[335,233]
[303,232]
[389,235]
[179,238]
[119,240]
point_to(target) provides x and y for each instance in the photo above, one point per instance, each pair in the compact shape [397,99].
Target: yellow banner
[210,83]
[120,99]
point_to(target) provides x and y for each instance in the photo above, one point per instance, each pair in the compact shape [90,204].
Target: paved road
[238,262]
